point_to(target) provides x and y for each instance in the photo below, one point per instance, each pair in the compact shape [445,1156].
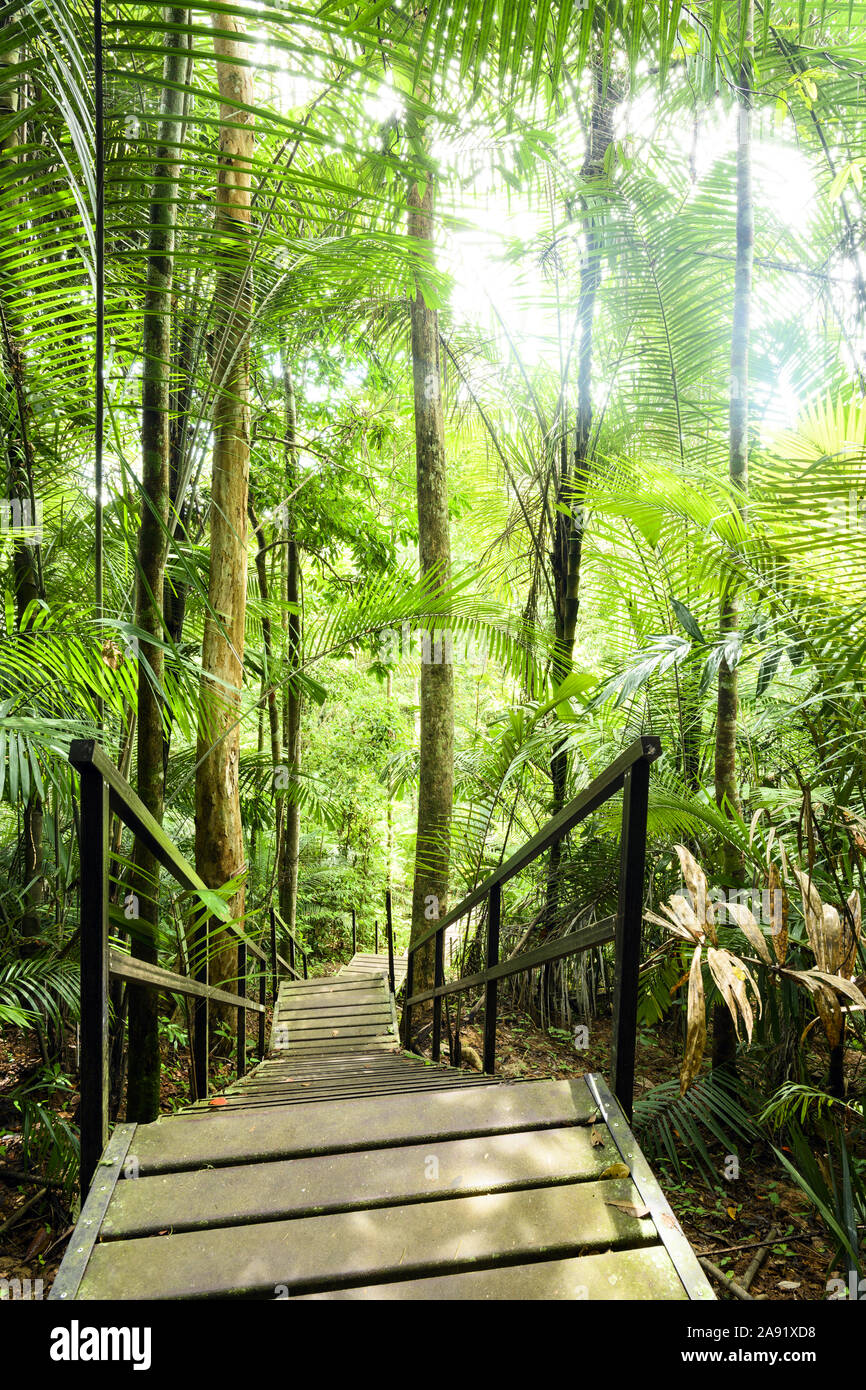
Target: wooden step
[644,1274]
[312,1029]
[386,1177]
[368,1246]
[192,1141]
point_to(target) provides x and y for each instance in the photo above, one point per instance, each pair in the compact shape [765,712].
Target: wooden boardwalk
[342,1167]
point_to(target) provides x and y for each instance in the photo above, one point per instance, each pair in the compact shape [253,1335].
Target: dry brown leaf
[842,986]
[846,966]
[672,923]
[834,950]
[778,913]
[813,913]
[682,912]
[830,1013]
[596,1139]
[750,929]
[696,881]
[616,1170]
[732,977]
[696,1024]
[630,1208]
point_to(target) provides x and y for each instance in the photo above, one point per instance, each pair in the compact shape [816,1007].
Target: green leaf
[215,904]
[768,668]
[687,621]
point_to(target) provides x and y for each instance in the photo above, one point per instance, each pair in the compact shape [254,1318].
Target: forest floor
[724,1222]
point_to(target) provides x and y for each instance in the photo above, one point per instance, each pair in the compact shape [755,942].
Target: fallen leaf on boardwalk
[670,1221]
[629,1208]
[218,1100]
[596,1139]
[616,1170]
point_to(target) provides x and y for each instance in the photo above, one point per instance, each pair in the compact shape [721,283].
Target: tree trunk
[267,631]
[219,845]
[726,789]
[568,541]
[436,697]
[175,589]
[142,1095]
[290,840]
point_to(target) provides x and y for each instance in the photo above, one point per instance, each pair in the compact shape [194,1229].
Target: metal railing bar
[569,945]
[607,784]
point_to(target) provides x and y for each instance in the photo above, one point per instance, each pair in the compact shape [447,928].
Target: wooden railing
[103,789]
[630,774]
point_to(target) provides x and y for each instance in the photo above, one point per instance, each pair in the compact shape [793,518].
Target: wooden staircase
[342,1167]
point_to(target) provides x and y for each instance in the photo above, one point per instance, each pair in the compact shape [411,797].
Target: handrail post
[291,951]
[354,934]
[200,1010]
[390,931]
[438,979]
[494,911]
[304,954]
[635,798]
[242,1013]
[263,991]
[275,969]
[93,1059]
[376,937]
[406,1020]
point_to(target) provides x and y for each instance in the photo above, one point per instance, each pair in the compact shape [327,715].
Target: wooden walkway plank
[328,1251]
[342,1182]
[615,1274]
[192,1141]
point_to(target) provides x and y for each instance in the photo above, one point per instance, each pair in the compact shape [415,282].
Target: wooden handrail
[141,972]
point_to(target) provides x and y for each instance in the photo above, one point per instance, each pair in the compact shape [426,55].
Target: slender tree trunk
[142,1095]
[726,789]
[175,589]
[267,631]
[290,824]
[436,695]
[568,541]
[219,845]
[291,839]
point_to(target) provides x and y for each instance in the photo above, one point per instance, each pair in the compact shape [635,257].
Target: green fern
[672,1127]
